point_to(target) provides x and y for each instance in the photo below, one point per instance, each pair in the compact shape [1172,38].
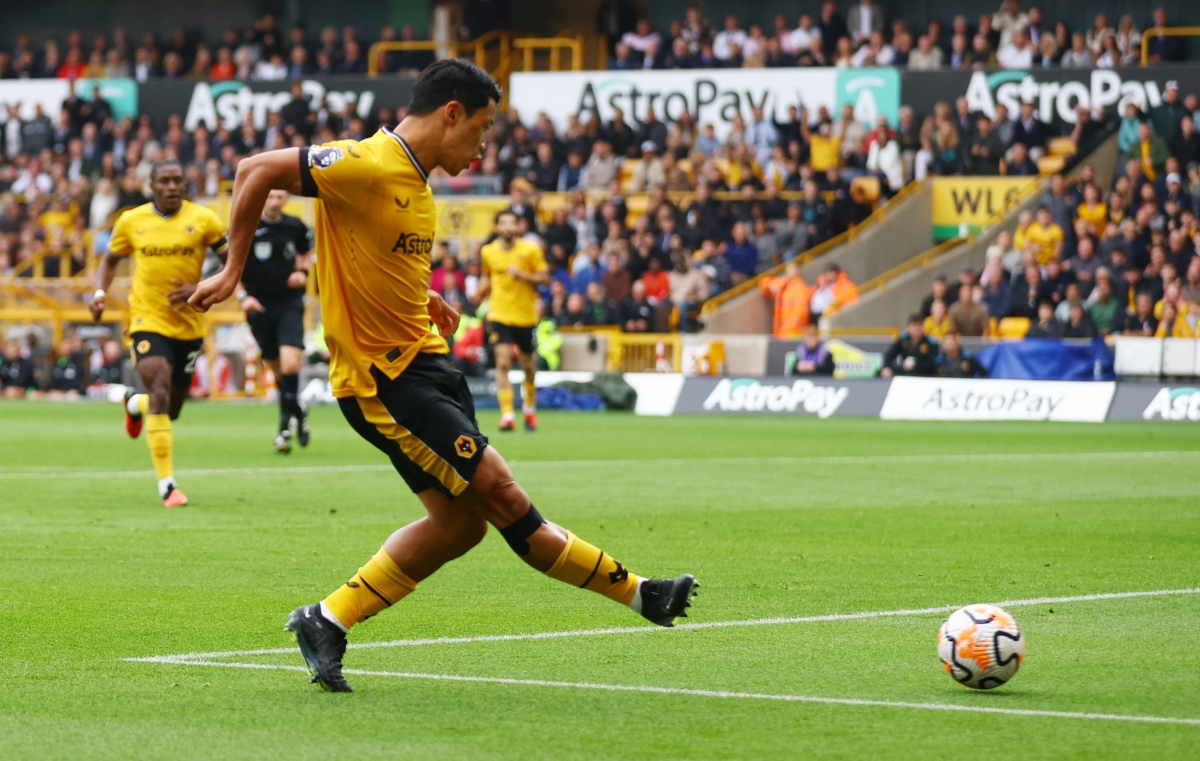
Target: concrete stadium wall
[904,232]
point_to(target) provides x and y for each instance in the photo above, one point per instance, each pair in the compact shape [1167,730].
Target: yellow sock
[589,567]
[530,395]
[505,396]
[377,585]
[143,403]
[160,441]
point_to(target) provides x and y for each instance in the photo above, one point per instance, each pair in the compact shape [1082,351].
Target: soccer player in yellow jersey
[389,370]
[168,239]
[512,269]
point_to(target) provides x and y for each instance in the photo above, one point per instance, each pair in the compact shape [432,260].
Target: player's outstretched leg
[504,389]
[452,527]
[562,555]
[163,402]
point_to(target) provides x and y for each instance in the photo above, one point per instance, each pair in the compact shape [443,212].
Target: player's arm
[256,176]
[120,245]
[485,281]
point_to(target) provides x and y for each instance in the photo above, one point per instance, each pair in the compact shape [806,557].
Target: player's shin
[289,399]
[160,440]
[530,401]
[378,585]
[577,562]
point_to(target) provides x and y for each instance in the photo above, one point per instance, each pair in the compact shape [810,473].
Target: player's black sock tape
[518,533]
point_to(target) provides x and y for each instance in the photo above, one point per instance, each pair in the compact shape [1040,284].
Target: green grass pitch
[778,517]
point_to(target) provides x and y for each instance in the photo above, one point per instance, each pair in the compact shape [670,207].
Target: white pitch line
[725,694]
[519,464]
[188,657]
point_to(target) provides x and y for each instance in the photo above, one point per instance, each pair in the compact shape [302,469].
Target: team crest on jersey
[324,156]
[465,446]
[190,230]
[143,347]
[262,250]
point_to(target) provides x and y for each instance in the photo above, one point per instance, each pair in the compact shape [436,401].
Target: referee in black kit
[272,296]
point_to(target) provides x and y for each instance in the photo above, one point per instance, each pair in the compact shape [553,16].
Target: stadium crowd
[643,266]
[861,36]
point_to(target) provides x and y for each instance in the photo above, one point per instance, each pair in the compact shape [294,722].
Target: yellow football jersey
[1044,240]
[512,299]
[374,232]
[165,250]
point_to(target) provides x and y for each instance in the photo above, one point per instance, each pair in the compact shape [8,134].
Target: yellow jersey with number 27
[166,250]
[374,238]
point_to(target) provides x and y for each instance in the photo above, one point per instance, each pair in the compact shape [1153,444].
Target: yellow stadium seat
[865,190]
[1061,146]
[1051,164]
[627,168]
[1013,327]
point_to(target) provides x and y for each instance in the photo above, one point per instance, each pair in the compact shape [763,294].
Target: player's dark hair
[157,165]
[452,79]
[506,213]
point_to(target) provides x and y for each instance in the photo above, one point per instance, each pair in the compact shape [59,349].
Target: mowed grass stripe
[723,694]
[187,657]
[830,460]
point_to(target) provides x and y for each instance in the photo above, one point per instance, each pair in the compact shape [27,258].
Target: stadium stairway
[887,238]
[886,300]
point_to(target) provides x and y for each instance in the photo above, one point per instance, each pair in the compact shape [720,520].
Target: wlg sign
[964,204]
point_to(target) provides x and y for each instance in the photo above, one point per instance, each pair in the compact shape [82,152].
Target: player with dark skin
[167,185]
[449,139]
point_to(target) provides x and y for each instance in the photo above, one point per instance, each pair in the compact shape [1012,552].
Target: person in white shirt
[875,53]
[1017,54]
[862,20]
[271,70]
[732,33]
[1078,57]
[642,37]
[802,37]
[1009,20]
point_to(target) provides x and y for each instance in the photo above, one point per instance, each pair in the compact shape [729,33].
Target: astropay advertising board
[713,96]
[972,399]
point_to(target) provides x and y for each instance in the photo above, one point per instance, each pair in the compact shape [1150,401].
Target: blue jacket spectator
[741,254]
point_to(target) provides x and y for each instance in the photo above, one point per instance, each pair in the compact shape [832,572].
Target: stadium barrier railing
[1165,31]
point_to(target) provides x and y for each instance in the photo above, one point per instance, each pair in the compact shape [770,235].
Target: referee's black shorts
[522,338]
[281,323]
[424,420]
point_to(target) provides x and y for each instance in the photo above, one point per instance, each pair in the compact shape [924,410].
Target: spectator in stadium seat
[1028,292]
[1079,325]
[792,296]
[649,171]
[863,20]
[68,372]
[636,313]
[939,290]
[689,288]
[1084,264]
[1172,325]
[16,372]
[912,353]
[601,167]
[947,151]
[1045,325]
[1044,236]
[597,309]
[1186,145]
[1062,284]
[623,59]
[927,56]
[969,318]
[953,362]
[985,153]
[937,324]
[1142,322]
[741,254]
[1167,117]
[1017,54]
[574,314]
[1106,311]
[812,355]
[586,269]
[1021,165]
[1029,130]
[543,175]
[1078,57]
[997,292]
[1152,150]
[112,363]
[707,143]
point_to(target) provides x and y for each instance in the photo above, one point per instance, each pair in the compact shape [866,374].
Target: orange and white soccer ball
[981,646]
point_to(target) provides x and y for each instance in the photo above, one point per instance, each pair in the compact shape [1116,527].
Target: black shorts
[522,338]
[181,354]
[279,324]
[425,422]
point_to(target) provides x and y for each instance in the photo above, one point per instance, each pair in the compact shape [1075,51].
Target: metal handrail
[404,46]
[1165,31]
[555,45]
